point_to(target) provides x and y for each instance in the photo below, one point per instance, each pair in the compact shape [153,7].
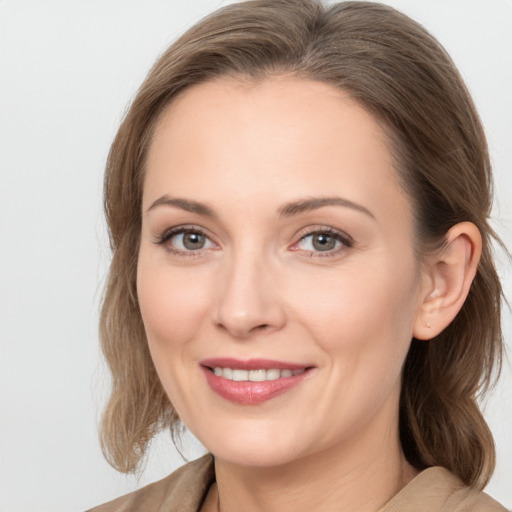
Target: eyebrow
[288,210]
[314,203]
[184,204]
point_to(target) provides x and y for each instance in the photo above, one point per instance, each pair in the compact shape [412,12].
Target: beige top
[433,490]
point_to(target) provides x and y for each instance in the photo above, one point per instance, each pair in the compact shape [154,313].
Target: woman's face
[276,277]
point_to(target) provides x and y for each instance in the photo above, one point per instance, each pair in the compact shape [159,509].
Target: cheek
[361,318]
[173,303]
[362,322]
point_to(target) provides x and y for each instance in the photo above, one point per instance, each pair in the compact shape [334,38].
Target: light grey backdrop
[68,69]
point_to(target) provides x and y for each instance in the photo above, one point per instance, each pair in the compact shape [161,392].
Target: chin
[255,458]
[258,450]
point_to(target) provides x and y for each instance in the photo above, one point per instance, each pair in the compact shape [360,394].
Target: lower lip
[251,393]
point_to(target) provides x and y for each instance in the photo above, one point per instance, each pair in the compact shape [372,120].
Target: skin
[259,288]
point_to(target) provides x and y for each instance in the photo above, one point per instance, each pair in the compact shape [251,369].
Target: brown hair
[399,73]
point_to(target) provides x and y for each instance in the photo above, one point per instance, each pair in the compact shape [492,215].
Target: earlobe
[449,274]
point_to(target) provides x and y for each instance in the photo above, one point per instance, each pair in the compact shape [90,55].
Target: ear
[447,279]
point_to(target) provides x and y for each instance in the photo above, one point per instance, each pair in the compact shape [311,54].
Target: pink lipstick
[254,381]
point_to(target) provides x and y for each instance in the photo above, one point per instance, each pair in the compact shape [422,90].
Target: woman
[298,205]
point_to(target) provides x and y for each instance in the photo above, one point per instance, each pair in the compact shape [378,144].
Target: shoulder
[437,490]
[183,491]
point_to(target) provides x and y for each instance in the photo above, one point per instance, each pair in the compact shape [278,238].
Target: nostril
[261,327]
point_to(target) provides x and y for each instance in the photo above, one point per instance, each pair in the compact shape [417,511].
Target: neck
[339,478]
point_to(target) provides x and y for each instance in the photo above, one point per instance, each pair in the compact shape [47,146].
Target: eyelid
[346,240]
[167,234]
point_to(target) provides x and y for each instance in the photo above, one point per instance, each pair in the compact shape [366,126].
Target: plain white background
[68,69]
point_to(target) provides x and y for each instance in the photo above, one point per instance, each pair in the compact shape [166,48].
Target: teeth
[239,375]
[273,374]
[259,375]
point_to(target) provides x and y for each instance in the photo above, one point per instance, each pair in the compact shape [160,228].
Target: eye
[327,241]
[319,242]
[185,240]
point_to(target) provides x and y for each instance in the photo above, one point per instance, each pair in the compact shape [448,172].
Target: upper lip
[251,364]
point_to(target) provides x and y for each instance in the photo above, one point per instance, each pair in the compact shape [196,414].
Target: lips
[254,381]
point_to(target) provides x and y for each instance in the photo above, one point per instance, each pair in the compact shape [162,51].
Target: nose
[248,301]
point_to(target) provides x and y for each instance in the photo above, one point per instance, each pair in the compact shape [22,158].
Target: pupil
[193,241]
[323,242]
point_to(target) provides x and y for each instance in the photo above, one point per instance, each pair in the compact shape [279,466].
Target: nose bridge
[248,300]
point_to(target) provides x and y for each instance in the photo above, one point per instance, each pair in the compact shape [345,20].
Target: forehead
[281,138]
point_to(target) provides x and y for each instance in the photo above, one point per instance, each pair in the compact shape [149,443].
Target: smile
[252,382]
[259,375]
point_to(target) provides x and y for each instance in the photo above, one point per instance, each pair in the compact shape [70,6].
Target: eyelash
[181,230]
[346,241]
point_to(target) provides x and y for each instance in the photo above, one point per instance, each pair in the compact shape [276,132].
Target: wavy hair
[399,73]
